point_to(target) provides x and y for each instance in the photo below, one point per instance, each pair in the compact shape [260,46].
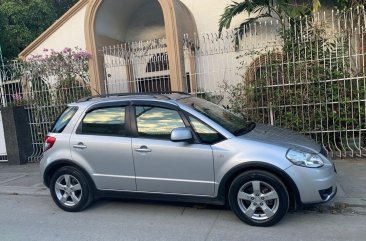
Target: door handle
[143,149]
[80,145]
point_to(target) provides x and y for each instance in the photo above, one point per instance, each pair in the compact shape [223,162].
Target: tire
[70,189]
[258,198]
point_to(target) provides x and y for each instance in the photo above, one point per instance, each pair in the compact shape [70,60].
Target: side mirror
[181,134]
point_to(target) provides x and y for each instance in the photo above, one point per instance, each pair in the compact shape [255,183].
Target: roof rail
[164,93]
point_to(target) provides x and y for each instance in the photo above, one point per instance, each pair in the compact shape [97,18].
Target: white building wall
[70,34]
[207,14]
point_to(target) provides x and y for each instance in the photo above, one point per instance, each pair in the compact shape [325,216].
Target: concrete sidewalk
[21,180]
[351,181]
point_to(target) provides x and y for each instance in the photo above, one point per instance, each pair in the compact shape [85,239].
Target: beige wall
[129,21]
[113,24]
[70,34]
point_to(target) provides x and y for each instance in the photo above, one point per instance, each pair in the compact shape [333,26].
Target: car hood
[281,137]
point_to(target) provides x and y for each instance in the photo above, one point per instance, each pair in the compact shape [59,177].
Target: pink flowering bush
[69,70]
[47,82]
[66,64]
[18,99]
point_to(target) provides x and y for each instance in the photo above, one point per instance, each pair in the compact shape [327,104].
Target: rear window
[105,121]
[63,120]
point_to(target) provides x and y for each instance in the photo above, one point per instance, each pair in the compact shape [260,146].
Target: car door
[163,166]
[102,142]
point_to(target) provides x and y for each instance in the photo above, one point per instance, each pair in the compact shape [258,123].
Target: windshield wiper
[245,129]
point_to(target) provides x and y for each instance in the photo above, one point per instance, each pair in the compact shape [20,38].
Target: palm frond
[276,9]
[234,9]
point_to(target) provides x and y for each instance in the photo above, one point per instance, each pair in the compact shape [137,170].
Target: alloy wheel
[258,200]
[68,190]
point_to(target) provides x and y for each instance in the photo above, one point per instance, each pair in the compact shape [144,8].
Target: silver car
[181,148]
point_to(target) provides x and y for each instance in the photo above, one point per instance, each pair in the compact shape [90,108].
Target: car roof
[165,97]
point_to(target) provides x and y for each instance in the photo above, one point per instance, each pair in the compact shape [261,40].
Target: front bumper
[315,185]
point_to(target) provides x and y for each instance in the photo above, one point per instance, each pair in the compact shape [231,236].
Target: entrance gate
[137,67]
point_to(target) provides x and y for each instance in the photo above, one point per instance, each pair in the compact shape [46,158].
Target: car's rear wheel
[258,198]
[70,189]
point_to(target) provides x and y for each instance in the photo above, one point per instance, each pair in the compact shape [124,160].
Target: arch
[264,73]
[95,70]
[177,21]
[262,61]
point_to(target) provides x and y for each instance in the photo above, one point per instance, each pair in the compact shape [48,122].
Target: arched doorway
[127,32]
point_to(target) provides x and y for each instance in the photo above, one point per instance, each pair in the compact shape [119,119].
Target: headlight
[304,159]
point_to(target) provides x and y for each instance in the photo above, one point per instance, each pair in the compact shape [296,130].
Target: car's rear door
[103,143]
[163,166]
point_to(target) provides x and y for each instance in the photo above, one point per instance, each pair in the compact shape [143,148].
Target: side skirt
[158,197]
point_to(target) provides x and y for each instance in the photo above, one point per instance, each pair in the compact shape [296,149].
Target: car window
[156,122]
[105,121]
[205,132]
[63,120]
[235,124]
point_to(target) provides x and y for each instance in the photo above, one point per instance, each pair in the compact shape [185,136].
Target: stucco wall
[207,14]
[129,21]
[70,34]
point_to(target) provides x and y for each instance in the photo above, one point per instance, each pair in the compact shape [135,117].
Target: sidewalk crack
[13,179]
[212,225]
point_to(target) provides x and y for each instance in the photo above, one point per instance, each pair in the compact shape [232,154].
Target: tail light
[49,141]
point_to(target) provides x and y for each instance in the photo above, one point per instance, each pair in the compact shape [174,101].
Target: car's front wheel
[258,198]
[70,189]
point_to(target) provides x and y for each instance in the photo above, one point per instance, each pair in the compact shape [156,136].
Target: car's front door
[103,143]
[163,166]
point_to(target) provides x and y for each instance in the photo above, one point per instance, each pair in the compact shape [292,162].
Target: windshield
[231,122]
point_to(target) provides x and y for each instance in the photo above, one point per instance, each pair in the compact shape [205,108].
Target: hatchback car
[178,147]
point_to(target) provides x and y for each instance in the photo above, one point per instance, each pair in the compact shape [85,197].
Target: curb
[349,202]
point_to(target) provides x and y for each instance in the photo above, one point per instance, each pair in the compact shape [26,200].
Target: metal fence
[306,74]
[137,67]
[44,88]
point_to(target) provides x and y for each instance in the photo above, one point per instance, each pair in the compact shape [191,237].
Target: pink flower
[88,55]
[17,97]
[67,50]
[77,55]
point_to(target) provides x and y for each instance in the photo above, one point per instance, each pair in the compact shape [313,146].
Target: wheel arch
[228,178]
[53,167]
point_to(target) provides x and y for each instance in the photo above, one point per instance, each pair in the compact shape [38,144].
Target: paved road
[24,217]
